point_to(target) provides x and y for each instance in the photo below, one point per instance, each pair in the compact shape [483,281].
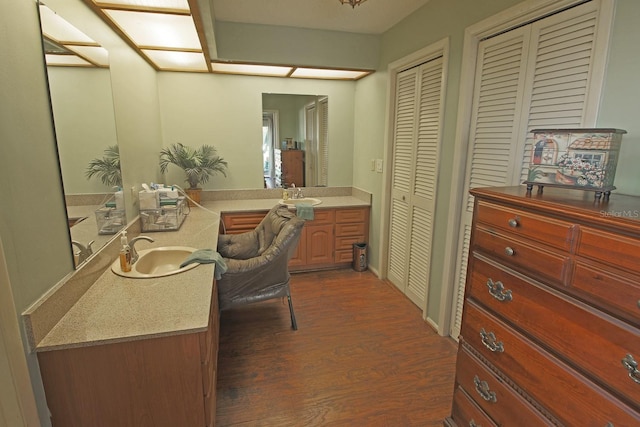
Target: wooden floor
[362,356]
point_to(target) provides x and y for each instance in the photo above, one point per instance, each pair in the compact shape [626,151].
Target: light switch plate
[379,165]
[373,164]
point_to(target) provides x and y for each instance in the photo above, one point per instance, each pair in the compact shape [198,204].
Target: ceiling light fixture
[353,3]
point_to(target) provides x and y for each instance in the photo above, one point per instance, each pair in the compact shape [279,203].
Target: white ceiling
[371,17]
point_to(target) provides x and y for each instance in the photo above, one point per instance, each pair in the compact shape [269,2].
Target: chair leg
[294,325]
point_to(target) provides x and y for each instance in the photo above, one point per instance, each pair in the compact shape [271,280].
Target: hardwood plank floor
[362,356]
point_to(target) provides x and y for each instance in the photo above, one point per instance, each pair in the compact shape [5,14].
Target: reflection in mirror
[295,144]
[84,121]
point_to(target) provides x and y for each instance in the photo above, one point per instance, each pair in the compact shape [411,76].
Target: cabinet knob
[482,387]
[497,290]
[472,423]
[508,251]
[489,340]
[632,366]
[513,222]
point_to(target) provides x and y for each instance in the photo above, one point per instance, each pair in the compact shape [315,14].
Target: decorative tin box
[585,159]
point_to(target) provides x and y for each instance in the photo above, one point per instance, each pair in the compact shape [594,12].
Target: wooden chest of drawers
[551,321]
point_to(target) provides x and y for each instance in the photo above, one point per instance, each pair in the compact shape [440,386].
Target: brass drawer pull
[472,423]
[508,251]
[482,387]
[513,222]
[496,289]
[632,366]
[489,341]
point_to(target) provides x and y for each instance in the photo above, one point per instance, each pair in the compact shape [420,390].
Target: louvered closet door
[415,165]
[531,77]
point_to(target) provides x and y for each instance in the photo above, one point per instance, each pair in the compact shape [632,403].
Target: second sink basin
[157,262]
[308,200]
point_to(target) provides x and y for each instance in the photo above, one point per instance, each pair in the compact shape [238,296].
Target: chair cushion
[240,246]
[271,225]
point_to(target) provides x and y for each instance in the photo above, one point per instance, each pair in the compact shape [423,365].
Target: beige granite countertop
[116,309]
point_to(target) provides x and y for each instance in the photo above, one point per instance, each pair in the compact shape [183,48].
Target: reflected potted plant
[106,168]
[198,164]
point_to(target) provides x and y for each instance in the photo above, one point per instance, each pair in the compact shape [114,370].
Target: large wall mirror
[295,142]
[84,120]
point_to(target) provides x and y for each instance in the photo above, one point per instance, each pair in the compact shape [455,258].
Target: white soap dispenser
[119,199]
[125,252]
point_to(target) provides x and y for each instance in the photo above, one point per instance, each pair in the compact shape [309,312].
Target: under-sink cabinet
[165,381]
[326,241]
[550,330]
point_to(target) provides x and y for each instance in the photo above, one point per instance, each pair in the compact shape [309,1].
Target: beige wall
[84,121]
[226,111]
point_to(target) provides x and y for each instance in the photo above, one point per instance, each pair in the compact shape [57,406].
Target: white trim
[437,49]
[510,18]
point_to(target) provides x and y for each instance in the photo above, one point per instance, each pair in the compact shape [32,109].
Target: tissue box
[169,216]
[110,220]
[585,159]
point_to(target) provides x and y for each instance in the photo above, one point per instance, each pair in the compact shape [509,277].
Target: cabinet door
[319,244]
[298,259]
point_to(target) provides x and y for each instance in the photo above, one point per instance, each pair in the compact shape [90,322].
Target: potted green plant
[106,168]
[198,164]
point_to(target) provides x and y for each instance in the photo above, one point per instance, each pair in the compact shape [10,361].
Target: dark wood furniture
[289,168]
[550,326]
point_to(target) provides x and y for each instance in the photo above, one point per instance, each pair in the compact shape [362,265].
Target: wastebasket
[359,256]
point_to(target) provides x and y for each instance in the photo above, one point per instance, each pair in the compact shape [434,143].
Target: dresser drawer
[526,364]
[593,342]
[536,260]
[491,394]
[611,291]
[621,251]
[526,225]
[465,412]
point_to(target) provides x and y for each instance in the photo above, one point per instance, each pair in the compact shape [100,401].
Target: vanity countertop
[116,309]
[249,205]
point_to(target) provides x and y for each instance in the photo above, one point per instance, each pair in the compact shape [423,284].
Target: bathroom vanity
[119,351]
[326,241]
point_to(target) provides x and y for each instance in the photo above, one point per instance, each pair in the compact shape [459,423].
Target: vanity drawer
[612,249]
[609,290]
[536,260]
[346,243]
[465,412]
[322,216]
[595,343]
[526,225]
[524,362]
[356,229]
[241,222]
[493,396]
[351,215]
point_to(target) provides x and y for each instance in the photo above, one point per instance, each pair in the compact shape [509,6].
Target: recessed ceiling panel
[316,73]
[251,69]
[96,54]
[172,60]
[173,5]
[66,60]
[157,29]
[57,28]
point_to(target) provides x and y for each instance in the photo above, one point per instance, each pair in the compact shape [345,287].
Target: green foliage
[107,168]
[535,173]
[198,164]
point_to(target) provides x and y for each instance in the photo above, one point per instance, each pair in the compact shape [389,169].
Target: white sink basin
[308,200]
[157,262]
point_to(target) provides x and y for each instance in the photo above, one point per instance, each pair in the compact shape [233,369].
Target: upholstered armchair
[257,261]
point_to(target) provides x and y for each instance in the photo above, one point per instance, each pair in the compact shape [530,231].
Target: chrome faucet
[132,247]
[84,252]
[297,192]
